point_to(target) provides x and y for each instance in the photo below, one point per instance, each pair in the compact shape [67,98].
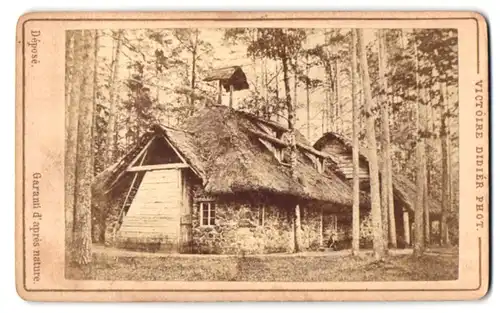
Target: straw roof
[404,189]
[223,148]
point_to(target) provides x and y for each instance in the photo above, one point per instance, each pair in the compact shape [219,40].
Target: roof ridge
[258,118]
[176,129]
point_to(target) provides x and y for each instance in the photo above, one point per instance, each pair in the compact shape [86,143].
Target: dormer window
[321,165]
[281,153]
[275,139]
[271,131]
[318,162]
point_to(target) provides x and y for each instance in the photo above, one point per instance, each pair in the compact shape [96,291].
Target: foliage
[277,43]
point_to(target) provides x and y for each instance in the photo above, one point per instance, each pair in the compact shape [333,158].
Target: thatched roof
[222,147]
[232,75]
[404,189]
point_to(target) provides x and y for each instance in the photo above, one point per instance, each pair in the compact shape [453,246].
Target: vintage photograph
[262,154]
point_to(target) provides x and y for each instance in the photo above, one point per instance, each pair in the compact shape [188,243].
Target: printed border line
[215,20]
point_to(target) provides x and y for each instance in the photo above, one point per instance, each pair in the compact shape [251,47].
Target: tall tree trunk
[419,214]
[444,167]
[293,152]
[325,114]
[194,54]
[97,221]
[449,153]
[385,135]
[378,242]
[266,84]
[276,110]
[338,95]
[69,42]
[82,235]
[113,100]
[76,64]
[295,84]
[330,121]
[427,222]
[193,79]
[308,100]
[387,150]
[355,147]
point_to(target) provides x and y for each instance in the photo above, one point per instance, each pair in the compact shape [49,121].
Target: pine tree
[387,193]
[420,161]
[113,99]
[74,65]
[355,146]
[82,239]
[378,240]
[444,167]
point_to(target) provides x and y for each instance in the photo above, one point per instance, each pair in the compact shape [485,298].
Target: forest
[394,92]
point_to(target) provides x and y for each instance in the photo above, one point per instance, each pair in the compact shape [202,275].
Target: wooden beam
[297,230]
[231,88]
[272,124]
[143,150]
[269,138]
[175,149]
[157,167]
[120,175]
[122,210]
[406,227]
[313,151]
[219,97]
[321,228]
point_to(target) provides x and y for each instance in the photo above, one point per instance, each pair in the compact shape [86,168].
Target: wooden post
[231,96]
[406,227]
[296,230]
[321,228]
[219,99]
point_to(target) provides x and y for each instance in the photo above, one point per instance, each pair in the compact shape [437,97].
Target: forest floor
[317,267]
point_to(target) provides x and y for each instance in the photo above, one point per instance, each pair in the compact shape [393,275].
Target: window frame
[210,213]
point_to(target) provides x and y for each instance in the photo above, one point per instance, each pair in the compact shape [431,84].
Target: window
[207,213]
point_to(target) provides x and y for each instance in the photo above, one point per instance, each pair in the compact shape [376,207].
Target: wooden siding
[186,225]
[344,162]
[156,208]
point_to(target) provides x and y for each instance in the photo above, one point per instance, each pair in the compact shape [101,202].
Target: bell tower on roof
[232,78]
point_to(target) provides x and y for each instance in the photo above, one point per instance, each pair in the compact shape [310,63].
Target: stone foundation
[240,228]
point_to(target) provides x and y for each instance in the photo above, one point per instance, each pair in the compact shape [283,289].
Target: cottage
[221,183]
[340,162]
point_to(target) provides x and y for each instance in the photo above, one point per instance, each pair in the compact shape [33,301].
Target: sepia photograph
[250,156]
[262,154]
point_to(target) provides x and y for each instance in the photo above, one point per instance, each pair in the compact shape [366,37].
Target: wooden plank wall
[186,225]
[156,208]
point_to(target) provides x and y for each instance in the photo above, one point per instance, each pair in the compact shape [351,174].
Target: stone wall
[238,226]
[239,229]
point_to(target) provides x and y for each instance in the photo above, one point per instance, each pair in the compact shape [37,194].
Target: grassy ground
[269,268]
